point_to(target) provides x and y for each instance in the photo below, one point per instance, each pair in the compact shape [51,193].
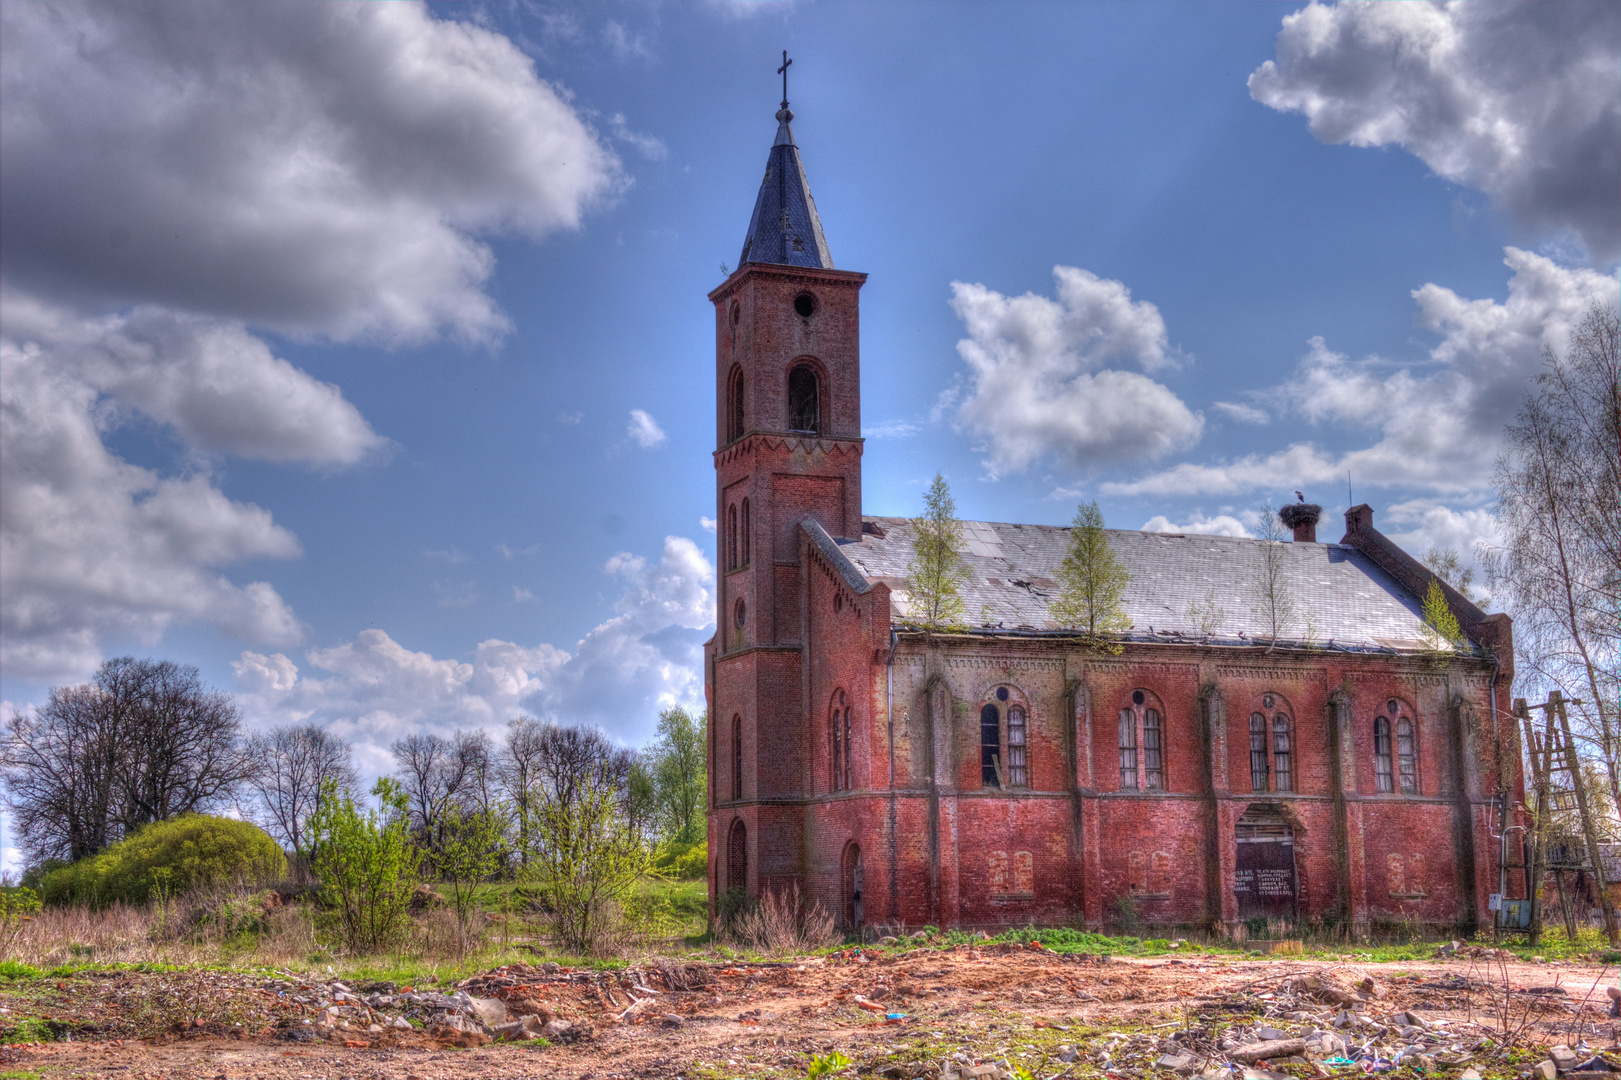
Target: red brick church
[1205,776]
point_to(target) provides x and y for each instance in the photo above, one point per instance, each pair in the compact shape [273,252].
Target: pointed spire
[785,228]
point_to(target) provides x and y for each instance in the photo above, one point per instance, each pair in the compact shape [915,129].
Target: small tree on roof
[937,569]
[1091,583]
[1440,625]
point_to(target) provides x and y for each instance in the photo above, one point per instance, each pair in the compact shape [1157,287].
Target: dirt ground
[896,1015]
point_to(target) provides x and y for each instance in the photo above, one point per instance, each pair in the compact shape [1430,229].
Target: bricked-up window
[737,757]
[1405,757]
[1153,751]
[1283,758]
[1381,755]
[849,751]
[804,400]
[1128,750]
[1018,767]
[731,538]
[1260,766]
[744,535]
[737,857]
[990,746]
[839,729]
[734,406]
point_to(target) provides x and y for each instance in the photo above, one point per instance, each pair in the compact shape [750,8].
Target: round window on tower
[739,614]
[1137,697]
[805,304]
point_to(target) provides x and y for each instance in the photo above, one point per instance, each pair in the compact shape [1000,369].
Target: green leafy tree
[366,864]
[586,859]
[1445,564]
[1440,625]
[676,760]
[1091,583]
[469,852]
[937,570]
[17,906]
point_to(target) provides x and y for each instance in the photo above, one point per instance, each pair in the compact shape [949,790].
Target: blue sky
[360,356]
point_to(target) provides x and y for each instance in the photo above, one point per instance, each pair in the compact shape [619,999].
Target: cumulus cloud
[176,176]
[1244,414]
[311,168]
[374,690]
[1038,384]
[1516,100]
[1220,525]
[1440,424]
[644,430]
[93,549]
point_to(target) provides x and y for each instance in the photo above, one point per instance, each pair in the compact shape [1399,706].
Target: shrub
[167,858]
[684,861]
[782,923]
[366,863]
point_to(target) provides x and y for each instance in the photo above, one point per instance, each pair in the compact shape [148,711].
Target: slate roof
[1351,602]
[785,228]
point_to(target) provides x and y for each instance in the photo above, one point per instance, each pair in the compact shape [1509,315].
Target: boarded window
[1283,757]
[1153,751]
[1381,755]
[804,400]
[1405,757]
[1018,774]
[990,746]
[1259,765]
[1128,750]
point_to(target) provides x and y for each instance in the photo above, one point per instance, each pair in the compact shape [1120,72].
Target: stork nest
[1295,515]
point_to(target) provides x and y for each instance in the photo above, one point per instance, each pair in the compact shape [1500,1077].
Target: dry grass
[783,923]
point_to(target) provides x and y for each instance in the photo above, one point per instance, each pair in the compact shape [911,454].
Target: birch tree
[1091,583]
[937,571]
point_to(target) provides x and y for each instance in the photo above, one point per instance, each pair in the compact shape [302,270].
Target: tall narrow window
[1018,769]
[1128,750]
[1153,752]
[849,750]
[1283,758]
[731,538]
[840,731]
[1259,766]
[1381,755]
[737,857]
[744,534]
[990,746]
[804,400]
[737,757]
[734,407]
[1405,757]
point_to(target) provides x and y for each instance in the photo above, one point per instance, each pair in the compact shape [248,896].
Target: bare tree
[1558,567]
[290,764]
[517,770]
[439,774]
[1274,597]
[144,741]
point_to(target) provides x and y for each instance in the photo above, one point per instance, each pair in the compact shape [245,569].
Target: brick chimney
[1302,518]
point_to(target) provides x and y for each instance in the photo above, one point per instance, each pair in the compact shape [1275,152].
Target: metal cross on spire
[783,71]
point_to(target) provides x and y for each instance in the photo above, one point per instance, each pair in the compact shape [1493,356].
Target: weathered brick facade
[846,748]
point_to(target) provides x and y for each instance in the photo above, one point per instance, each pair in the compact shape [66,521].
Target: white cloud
[624,44]
[95,550]
[893,429]
[522,596]
[1516,100]
[1038,384]
[1440,424]
[650,147]
[1244,414]
[644,430]
[707,524]
[374,690]
[1220,525]
[1420,524]
[310,168]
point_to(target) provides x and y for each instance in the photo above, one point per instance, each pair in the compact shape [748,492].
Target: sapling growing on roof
[937,571]
[1274,596]
[1091,583]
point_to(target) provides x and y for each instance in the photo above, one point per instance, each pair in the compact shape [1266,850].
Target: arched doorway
[737,857]
[854,913]
[1265,881]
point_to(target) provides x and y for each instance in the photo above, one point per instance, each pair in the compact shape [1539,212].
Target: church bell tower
[788,447]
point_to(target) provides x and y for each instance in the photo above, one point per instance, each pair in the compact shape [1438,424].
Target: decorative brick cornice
[757,441]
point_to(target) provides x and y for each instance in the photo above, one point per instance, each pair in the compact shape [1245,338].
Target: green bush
[168,858]
[678,860]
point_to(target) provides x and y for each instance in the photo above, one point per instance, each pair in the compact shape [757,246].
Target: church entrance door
[1265,881]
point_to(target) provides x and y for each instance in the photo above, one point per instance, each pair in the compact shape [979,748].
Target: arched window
[804,400]
[731,538]
[737,757]
[838,725]
[1018,768]
[1406,759]
[1381,755]
[1259,765]
[1128,750]
[734,406]
[745,533]
[737,857]
[1153,751]
[990,746]
[1283,757]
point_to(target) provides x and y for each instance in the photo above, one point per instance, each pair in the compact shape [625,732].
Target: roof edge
[830,551]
